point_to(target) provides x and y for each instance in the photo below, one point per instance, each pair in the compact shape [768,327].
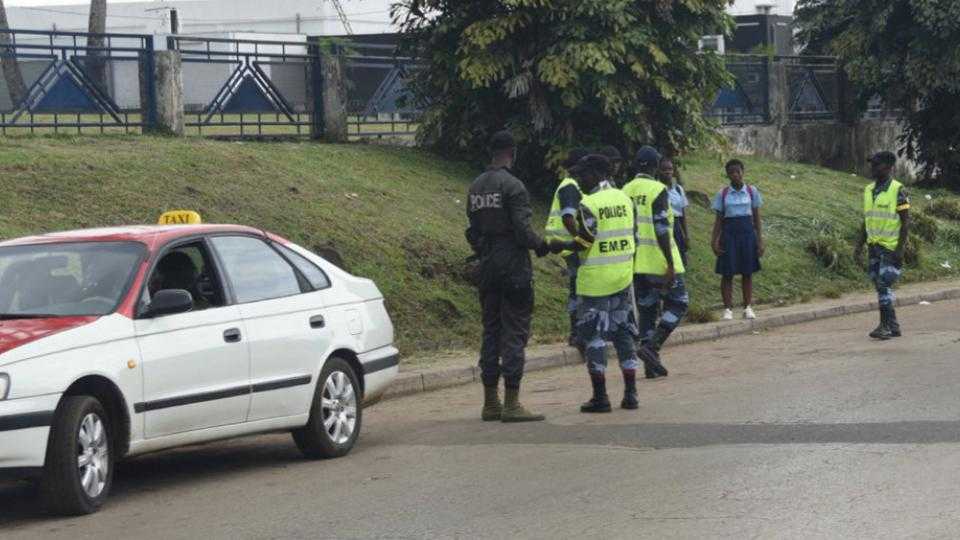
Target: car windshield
[68,279]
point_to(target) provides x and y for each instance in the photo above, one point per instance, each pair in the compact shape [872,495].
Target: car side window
[318,278]
[255,271]
[187,267]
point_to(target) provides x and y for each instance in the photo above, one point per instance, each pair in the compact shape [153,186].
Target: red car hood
[19,332]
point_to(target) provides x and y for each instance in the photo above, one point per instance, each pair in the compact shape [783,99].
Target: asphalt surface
[811,431]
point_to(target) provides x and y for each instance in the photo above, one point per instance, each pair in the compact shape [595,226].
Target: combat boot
[600,402]
[892,323]
[630,400]
[492,408]
[513,411]
[880,330]
[651,362]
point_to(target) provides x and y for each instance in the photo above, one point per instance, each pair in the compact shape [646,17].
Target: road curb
[427,381]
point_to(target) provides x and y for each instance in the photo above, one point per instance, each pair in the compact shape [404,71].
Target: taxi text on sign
[180,217]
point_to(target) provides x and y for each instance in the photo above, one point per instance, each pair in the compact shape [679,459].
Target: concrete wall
[829,144]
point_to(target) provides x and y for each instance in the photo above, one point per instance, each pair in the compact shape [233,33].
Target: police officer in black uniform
[500,233]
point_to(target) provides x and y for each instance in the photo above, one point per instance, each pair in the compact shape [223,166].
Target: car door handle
[232,335]
[317,321]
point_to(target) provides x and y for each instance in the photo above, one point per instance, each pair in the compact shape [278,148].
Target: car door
[196,365]
[284,319]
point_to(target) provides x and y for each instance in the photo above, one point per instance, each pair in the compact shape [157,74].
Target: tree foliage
[908,53]
[563,73]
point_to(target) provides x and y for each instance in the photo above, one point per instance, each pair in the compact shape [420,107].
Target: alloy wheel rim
[338,405]
[93,455]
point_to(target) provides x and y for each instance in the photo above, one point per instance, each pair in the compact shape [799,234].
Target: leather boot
[879,330]
[492,408]
[892,324]
[513,411]
[630,400]
[599,403]
[651,362]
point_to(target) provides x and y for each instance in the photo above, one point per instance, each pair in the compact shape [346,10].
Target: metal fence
[72,82]
[747,100]
[246,88]
[815,88]
[379,103]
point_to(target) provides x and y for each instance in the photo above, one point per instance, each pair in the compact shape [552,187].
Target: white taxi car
[118,342]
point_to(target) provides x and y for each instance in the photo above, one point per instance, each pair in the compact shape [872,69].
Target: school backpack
[723,197]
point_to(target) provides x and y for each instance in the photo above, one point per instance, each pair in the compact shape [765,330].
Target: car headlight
[4,386]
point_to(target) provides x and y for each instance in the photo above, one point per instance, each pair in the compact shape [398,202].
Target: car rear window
[255,271]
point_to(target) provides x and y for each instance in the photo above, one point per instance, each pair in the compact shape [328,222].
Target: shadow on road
[155,473]
[167,471]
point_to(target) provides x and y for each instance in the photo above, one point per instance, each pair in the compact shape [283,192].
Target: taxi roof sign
[180,217]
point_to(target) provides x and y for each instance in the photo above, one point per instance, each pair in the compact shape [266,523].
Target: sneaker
[728,314]
[748,313]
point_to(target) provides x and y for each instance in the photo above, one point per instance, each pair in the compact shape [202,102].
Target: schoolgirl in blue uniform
[679,204]
[737,237]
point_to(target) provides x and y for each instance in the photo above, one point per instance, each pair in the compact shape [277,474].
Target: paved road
[812,431]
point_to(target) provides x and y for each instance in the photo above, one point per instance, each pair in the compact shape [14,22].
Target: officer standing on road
[886,208]
[658,265]
[562,226]
[498,207]
[605,241]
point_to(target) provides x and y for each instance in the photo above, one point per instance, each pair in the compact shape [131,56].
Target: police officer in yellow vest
[658,267]
[886,208]
[562,226]
[606,244]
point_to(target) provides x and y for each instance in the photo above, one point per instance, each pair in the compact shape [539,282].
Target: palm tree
[11,69]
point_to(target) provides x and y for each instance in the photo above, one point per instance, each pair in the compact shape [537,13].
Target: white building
[750,7]
[307,17]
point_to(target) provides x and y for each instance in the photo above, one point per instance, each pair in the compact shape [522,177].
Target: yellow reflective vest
[880,215]
[606,268]
[649,259]
[555,229]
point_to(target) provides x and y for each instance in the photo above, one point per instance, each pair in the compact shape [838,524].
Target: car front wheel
[335,415]
[79,469]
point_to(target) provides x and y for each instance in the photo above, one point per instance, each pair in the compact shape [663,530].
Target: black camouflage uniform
[501,235]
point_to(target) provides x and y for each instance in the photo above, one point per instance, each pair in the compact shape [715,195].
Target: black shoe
[600,403]
[649,373]
[651,363]
[895,332]
[630,401]
[597,405]
[883,335]
[879,331]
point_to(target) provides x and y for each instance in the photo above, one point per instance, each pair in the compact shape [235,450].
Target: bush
[913,254]
[925,226]
[944,209]
[832,251]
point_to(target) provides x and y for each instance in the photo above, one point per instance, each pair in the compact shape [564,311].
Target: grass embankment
[397,216]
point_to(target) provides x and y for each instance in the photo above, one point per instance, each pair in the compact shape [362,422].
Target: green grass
[397,216]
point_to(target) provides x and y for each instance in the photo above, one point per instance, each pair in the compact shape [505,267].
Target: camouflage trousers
[885,270]
[660,306]
[607,318]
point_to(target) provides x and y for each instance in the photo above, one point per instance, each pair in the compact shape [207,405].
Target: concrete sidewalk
[455,370]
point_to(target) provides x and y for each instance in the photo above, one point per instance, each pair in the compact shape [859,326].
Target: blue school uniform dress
[739,238]
[679,204]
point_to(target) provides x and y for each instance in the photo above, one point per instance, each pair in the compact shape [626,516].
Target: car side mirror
[169,302]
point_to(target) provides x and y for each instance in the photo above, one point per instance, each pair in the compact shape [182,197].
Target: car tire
[78,472]
[335,415]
